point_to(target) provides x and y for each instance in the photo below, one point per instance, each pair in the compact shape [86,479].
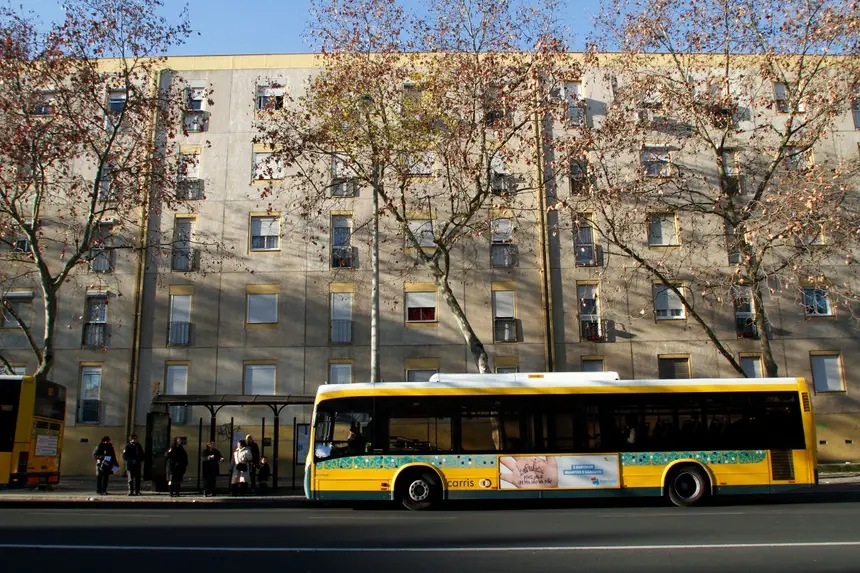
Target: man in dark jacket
[252,467]
[105,457]
[177,462]
[211,458]
[132,455]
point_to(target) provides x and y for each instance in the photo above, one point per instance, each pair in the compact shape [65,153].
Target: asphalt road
[785,537]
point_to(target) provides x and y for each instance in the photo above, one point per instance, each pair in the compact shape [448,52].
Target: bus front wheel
[418,490]
[688,485]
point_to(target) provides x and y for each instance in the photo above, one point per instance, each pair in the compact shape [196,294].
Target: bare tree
[79,104]
[435,114]
[715,163]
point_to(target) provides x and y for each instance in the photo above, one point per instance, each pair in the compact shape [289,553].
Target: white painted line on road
[409,518]
[96,513]
[799,545]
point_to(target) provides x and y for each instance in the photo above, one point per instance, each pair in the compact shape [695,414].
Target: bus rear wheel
[688,485]
[418,490]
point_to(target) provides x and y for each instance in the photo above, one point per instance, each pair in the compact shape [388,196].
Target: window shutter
[779,91]
[269,226]
[503,304]
[177,380]
[752,366]
[91,382]
[674,303]
[498,165]
[341,306]
[667,224]
[180,308]
[502,230]
[262,308]
[826,373]
[655,236]
[421,300]
[661,299]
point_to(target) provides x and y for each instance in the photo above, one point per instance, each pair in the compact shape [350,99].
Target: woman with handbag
[105,457]
[242,458]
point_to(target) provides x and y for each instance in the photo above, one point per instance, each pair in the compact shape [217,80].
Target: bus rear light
[32,481]
[23,460]
[53,479]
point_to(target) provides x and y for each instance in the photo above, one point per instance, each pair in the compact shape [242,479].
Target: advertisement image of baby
[559,472]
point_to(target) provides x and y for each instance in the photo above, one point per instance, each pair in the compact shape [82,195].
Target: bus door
[10,395]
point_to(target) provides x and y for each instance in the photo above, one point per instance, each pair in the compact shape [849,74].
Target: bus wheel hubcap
[687,486]
[419,490]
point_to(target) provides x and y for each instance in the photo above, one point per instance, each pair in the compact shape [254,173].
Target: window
[334,421]
[17,370]
[196,98]
[183,252]
[827,372]
[668,304]
[752,366]
[107,191]
[419,433]
[419,374]
[262,308]
[817,302]
[797,159]
[340,373]
[501,181]
[734,244]
[343,182]
[260,379]
[507,369]
[592,365]
[578,176]
[744,302]
[341,242]
[195,119]
[502,252]
[813,237]
[662,230]
[22,305]
[189,185]
[732,169]
[101,253]
[21,244]
[656,162]
[421,306]
[45,103]
[268,166]
[189,166]
[590,325]
[575,103]
[672,367]
[420,163]
[176,380]
[117,100]
[265,233]
[504,321]
[422,229]
[855,105]
[270,97]
[341,317]
[583,240]
[781,99]
[96,318]
[179,327]
[89,405]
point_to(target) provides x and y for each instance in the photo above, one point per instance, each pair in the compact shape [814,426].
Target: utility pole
[374,281]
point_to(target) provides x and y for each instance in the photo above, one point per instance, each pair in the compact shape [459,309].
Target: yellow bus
[560,435]
[32,420]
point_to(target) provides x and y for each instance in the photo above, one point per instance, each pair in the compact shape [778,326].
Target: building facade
[253,299]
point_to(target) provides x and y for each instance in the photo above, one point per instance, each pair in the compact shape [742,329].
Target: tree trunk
[51,306]
[770,366]
[479,354]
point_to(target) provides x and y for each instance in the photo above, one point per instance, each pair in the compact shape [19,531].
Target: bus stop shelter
[214,403]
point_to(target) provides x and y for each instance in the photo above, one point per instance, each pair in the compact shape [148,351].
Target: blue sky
[277,26]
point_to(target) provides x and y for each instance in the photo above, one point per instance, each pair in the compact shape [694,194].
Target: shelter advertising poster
[559,472]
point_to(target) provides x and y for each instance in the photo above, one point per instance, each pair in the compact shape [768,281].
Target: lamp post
[365,101]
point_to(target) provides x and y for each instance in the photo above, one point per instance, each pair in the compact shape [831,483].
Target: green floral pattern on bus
[394,462]
[708,458]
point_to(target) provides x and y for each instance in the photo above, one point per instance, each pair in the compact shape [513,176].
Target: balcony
[341,331]
[745,325]
[94,334]
[185,260]
[592,329]
[504,255]
[189,189]
[89,411]
[179,333]
[341,257]
[505,330]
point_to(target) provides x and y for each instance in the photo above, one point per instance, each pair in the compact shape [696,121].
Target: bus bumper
[21,480]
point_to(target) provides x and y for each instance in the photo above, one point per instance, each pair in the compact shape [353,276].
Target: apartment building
[253,299]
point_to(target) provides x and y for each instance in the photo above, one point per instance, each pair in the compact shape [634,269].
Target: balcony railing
[89,411]
[94,334]
[179,333]
[504,255]
[185,260]
[341,331]
[746,326]
[505,330]
[592,329]
[341,257]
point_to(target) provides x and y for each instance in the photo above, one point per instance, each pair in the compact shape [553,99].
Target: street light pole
[374,283]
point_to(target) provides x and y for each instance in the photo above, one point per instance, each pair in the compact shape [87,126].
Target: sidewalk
[82,490]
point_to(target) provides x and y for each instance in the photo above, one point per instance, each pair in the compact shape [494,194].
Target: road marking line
[95,513]
[786,545]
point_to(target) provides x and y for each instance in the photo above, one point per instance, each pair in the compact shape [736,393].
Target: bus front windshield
[346,430]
